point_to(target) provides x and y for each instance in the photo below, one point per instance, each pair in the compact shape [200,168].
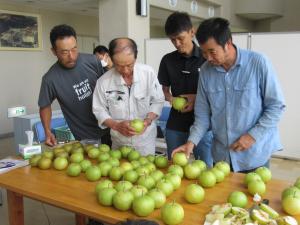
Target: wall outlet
[16,111]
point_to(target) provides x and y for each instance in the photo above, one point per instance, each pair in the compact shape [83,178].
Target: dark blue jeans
[202,151]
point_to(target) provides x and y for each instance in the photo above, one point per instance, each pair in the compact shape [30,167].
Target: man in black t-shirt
[178,74]
[71,80]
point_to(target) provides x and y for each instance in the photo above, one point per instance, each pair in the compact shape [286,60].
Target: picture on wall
[20,31]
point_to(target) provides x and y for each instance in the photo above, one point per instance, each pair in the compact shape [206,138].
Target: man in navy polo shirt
[178,74]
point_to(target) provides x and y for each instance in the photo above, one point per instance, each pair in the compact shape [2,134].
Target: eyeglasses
[66,52]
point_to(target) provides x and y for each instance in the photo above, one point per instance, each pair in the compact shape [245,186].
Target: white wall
[123,22]
[285,60]
[21,71]
[138,29]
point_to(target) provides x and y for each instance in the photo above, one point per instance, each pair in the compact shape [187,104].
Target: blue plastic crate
[63,134]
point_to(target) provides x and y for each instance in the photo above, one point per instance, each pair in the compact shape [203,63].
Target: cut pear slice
[239,211]
[226,221]
[272,222]
[223,208]
[260,216]
[236,220]
[217,222]
[211,217]
[247,220]
[272,213]
[286,220]
[289,220]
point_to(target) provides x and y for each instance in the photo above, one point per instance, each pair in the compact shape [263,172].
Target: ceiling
[82,7]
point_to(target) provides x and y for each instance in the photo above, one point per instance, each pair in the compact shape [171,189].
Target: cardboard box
[28,151]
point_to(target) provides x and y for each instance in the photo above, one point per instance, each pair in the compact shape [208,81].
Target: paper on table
[9,163]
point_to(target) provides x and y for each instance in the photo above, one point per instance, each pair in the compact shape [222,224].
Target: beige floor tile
[285,169]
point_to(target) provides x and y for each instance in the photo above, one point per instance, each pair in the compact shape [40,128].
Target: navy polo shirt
[181,73]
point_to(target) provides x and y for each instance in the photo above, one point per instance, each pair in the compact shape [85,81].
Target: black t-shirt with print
[73,88]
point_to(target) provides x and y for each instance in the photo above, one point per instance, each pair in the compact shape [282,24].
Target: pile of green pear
[256,181]
[126,180]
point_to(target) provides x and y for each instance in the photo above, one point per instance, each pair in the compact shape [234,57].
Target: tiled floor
[285,169]
[37,213]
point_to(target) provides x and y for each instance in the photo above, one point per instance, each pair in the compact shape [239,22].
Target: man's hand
[167,93]
[50,140]
[190,102]
[124,128]
[243,143]
[187,148]
[170,99]
[149,120]
[46,114]
[147,123]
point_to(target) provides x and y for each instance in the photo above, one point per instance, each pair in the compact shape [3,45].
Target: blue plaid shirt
[245,99]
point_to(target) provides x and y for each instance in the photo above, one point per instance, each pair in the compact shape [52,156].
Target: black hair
[114,47]
[60,32]
[178,22]
[101,49]
[217,28]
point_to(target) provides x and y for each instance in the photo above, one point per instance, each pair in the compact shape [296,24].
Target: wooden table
[78,195]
